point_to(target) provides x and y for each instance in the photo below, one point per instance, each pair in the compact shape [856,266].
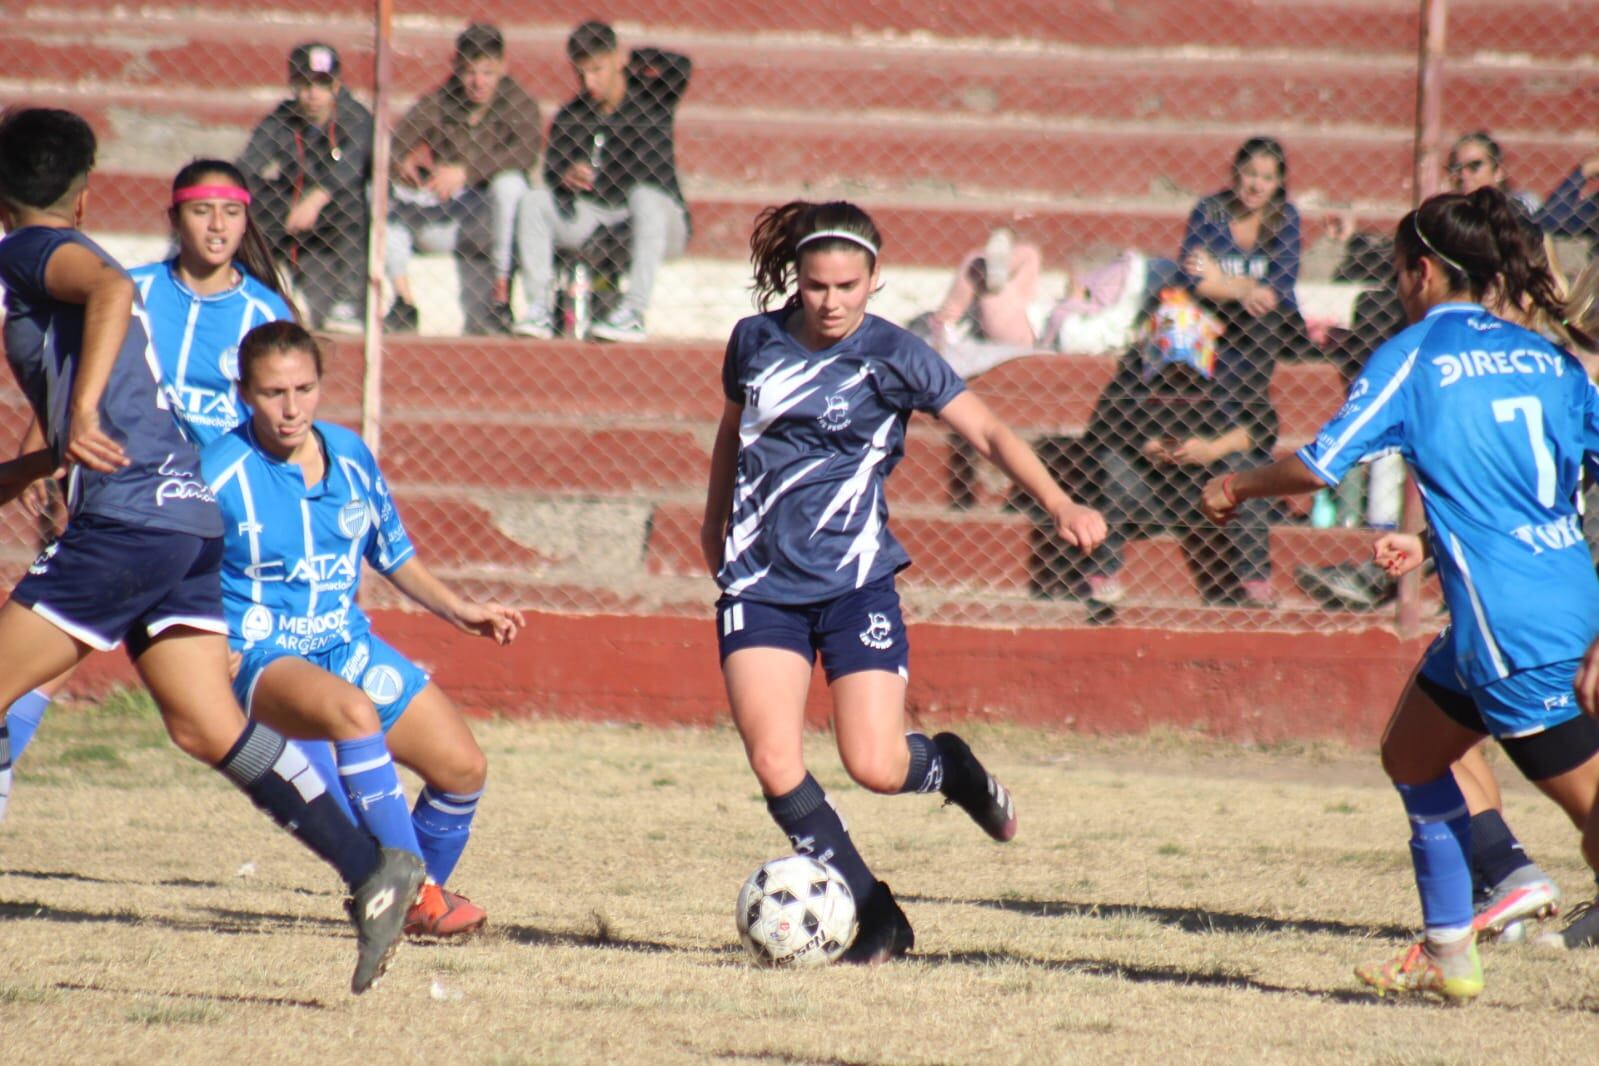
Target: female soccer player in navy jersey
[140,558]
[1495,421]
[303,504]
[197,305]
[818,394]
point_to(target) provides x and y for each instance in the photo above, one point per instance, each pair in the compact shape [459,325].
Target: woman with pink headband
[818,396]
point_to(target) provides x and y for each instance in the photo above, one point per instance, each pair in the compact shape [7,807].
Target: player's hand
[493,620]
[1080,526]
[1398,553]
[1261,298]
[35,495]
[1217,502]
[1195,451]
[448,179]
[89,446]
[1588,682]
[1158,450]
[579,177]
[302,216]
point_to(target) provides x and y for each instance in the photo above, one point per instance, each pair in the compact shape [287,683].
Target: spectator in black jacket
[1571,214]
[611,159]
[307,164]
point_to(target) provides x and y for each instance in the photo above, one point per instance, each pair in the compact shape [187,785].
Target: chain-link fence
[566,219]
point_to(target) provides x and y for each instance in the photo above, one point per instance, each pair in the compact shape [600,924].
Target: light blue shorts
[1527,702]
[389,679]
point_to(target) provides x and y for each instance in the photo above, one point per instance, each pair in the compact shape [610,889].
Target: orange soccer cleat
[438,912]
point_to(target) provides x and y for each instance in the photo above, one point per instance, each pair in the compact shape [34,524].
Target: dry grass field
[1168,899]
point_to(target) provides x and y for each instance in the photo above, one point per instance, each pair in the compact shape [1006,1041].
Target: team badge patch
[256,625]
[836,415]
[878,633]
[382,684]
[353,518]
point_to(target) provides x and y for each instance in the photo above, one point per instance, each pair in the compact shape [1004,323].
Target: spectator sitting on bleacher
[1476,160]
[1180,410]
[612,159]
[1568,213]
[461,159]
[308,163]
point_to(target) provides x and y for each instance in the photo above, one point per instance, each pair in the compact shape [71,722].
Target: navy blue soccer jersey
[292,563]
[819,435]
[1495,421]
[196,340]
[161,488]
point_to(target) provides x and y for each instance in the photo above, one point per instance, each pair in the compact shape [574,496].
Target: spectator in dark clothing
[612,159]
[461,160]
[308,163]
[1166,423]
[1569,213]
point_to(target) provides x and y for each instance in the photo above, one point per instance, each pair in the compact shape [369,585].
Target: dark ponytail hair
[1481,244]
[775,243]
[253,255]
[276,338]
[1271,217]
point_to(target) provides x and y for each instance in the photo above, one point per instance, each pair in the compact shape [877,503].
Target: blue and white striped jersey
[161,488]
[197,338]
[292,562]
[1495,420]
[820,433]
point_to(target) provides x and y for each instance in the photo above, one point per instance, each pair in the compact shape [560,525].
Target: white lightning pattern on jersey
[777,390]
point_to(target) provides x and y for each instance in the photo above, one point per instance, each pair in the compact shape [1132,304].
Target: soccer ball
[795,912]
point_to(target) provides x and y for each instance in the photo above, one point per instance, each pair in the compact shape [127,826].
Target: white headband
[1415,223]
[838,234]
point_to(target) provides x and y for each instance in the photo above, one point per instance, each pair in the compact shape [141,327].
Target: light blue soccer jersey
[1495,421]
[197,338]
[820,433]
[293,553]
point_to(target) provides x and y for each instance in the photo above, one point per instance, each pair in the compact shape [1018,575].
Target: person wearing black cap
[308,164]
[461,160]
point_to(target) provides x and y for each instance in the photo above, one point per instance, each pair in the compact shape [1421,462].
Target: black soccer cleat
[974,789]
[378,909]
[883,933]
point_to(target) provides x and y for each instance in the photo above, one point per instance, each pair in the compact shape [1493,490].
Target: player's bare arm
[76,275]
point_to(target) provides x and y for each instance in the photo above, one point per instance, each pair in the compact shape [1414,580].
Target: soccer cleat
[974,789]
[378,910]
[537,324]
[1348,586]
[882,933]
[1524,895]
[401,318]
[1416,971]
[1581,931]
[439,912]
[624,326]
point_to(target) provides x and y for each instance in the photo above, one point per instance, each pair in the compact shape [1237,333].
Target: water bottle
[1323,510]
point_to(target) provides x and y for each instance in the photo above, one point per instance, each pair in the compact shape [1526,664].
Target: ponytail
[254,255]
[781,231]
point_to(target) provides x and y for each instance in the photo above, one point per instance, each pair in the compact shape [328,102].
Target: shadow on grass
[166,882]
[1188,919]
[204,997]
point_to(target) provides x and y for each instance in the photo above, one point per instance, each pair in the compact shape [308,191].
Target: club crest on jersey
[256,625]
[228,363]
[353,518]
[382,684]
[836,415]
[878,632]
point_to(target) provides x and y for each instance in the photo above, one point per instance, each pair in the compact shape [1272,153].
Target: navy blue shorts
[860,630]
[104,582]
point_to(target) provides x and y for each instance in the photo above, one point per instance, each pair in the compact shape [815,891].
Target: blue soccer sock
[1440,841]
[815,829]
[926,772]
[319,753]
[373,786]
[277,778]
[443,822]
[23,720]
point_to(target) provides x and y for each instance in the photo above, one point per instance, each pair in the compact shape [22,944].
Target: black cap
[313,62]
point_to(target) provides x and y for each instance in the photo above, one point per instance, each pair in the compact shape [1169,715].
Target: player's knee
[467,772]
[352,715]
[882,772]
[205,741]
[777,770]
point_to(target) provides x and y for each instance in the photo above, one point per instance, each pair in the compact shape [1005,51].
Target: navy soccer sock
[319,753]
[926,772]
[5,767]
[1495,851]
[1440,840]
[815,829]
[279,780]
[443,822]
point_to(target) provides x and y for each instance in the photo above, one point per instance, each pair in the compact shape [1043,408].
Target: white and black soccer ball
[796,912]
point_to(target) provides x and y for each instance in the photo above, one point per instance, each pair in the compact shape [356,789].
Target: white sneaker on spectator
[996,259]
[344,317]
[537,323]
[623,326]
